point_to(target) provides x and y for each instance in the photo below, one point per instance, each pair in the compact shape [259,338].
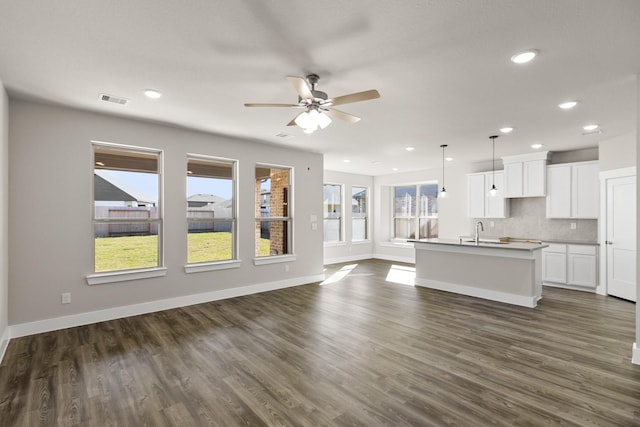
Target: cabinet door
[585,191]
[582,270]
[496,205]
[534,175]
[559,192]
[476,196]
[554,267]
[513,179]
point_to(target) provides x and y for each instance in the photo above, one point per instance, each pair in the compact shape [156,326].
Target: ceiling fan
[317,106]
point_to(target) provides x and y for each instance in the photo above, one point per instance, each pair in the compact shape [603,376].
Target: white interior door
[621,237]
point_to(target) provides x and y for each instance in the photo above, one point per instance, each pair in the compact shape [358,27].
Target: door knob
[608,242]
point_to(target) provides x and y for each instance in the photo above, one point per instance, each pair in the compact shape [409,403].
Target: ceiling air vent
[114,99]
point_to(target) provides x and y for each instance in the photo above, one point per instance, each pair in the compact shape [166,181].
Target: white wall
[4,219]
[50,238]
[618,152]
[452,211]
[636,351]
[347,250]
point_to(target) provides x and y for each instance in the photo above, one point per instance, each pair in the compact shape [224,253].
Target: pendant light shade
[443,192]
[493,191]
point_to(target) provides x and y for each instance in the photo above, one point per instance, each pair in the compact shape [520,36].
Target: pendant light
[443,192]
[493,191]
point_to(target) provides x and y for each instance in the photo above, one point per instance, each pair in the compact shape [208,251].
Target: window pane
[211,244]
[272,188]
[126,188]
[272,238]
[405,201]
[428,199]
[404,228]
[332,231]
[125,246]
[359,208]
[210,201]
[428,228]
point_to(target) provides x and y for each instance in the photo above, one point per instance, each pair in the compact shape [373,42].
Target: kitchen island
[507,272]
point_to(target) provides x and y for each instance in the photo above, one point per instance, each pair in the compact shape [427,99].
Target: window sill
[332,244]
[273,259]
[211,266]
[124,276]
[361,242]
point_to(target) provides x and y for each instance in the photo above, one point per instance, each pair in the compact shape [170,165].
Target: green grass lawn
[128,252]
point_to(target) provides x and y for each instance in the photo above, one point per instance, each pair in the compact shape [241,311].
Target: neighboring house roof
[205,198]
[109,188]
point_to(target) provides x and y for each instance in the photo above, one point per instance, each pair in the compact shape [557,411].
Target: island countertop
[461,242]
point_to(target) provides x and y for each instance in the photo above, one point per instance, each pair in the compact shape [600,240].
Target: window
[127,219]
[211,211]
[273,215]
[415,207]
[359,218]
[332,201]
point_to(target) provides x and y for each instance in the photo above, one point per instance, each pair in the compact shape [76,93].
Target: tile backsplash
[527,220]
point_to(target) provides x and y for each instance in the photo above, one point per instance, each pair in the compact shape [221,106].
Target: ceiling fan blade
[270,105]
[353,97]
[302,87]
[341,115]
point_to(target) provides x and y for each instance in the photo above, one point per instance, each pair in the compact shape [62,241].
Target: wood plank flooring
[361,351]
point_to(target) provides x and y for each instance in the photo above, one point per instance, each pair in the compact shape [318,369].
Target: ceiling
[442,68]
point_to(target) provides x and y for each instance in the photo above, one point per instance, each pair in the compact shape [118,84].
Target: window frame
[366,217]
[289,219]
[111,276]
[234,261]
[341,222]
[417,217]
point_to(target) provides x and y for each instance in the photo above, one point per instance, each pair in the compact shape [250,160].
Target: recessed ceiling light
[448,159]
[506,129]
[568,105]
[347,161]
[524,57]
[394,169]
[590,127]
[536,146]
[153,94]
[410,148]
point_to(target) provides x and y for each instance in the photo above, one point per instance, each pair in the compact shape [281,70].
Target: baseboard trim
[471,291]
[4,342]
[635,358]
[47,325]
[408,260]
[351,258]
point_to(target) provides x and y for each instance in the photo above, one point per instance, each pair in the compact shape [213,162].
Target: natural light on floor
[340,274]
[402,275]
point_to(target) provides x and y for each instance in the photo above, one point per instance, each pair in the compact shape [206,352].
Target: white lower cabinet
[572,266]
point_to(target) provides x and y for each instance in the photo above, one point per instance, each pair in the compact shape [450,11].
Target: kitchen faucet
[477,239]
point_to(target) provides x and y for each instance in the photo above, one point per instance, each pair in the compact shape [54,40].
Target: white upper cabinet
[480,203]
[573,190]
[525,175]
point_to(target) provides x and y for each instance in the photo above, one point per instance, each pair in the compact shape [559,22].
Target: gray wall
[4,217]
[637,210]
[618,152]
[50,157]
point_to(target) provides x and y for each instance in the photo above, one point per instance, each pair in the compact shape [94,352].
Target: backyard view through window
[273,221]
[211,215]
[415,207]
[127,220]
[359,209]
[332,208]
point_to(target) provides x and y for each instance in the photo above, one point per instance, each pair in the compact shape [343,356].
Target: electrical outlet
[286,267]
[66,297]
[573,225]
[492,224]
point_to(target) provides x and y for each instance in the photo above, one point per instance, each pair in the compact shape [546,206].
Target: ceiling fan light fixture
[524,57]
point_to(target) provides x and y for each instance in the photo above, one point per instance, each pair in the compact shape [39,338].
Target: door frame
[602,223]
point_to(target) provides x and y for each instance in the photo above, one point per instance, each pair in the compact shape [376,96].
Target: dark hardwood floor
[359,351]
